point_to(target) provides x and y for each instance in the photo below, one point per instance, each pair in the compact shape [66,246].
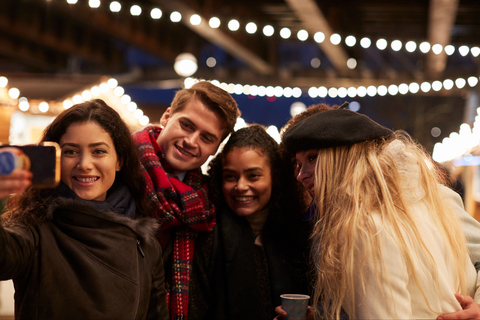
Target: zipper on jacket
[140,248]
[137,302]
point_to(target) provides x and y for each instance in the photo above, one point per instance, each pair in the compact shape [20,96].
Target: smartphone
[44,162]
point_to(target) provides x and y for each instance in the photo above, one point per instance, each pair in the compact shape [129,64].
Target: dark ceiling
[49,47]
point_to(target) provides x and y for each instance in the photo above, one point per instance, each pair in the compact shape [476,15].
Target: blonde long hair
[351,183]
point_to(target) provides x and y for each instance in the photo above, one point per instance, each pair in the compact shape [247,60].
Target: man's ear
[165,117]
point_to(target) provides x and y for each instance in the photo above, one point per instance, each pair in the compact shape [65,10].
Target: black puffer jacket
[83,263]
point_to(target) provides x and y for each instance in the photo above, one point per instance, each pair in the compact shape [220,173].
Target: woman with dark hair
[259,247]
[79,251]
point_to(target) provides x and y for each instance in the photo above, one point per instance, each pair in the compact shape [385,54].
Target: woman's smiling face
[89,160]
[247,181]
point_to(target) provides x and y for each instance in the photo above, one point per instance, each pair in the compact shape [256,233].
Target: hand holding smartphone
[44,163]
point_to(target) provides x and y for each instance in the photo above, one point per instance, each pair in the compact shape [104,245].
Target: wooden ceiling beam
[48,38]
[120,29]
[314,21]
[441,19]
[219,38]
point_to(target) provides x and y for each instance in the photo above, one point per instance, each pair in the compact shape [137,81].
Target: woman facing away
[386,244]
[79,251]
[258,249]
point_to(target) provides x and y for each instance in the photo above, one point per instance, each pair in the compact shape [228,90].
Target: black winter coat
[229,279]
[82,263]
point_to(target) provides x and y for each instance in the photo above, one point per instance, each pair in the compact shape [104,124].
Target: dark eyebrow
[248,170]
[91,145]
[211,135]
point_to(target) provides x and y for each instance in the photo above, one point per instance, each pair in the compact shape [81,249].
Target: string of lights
[342,92]
[269,30]
[108,87]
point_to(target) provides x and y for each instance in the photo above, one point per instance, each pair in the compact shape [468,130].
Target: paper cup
[295,305]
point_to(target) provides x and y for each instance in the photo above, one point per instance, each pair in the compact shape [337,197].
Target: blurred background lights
[464,50]
[233,25]
[135,10]
[251,27]
[67,104]
[175,16]
[94,3]
[285,33]
[273,132]
[333,92]
[214,22]
[118,91]
[14,93]
[268,30]
[425,86]
[351,63]
[77,99]
[365,43]
[195,20]
[350,41]
[86,95]
[437,48]
[435,132]
[410,46]
[449,49]
[302,35]
[403,88]
[460,83]
[297,107]
[319,37]
[414,87]
[371,91]
[396,45]
[342,92]
[211,62]
[322,92]
[156,13]
[335,38]
[3,82]
[43,107]
[448,84]
[112,82]
[436,85]
[354,106]
[381,44]
[475,51]
[144,120]
[424,47]
[382,90]
[115,6]
[185,64]
[315,63]
[472,81]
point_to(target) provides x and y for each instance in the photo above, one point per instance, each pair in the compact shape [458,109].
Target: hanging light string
[343,92]
[109,87]
[269,30]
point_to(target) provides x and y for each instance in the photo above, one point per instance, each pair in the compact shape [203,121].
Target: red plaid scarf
[180,205]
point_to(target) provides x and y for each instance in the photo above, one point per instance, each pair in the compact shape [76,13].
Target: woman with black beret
[387,243]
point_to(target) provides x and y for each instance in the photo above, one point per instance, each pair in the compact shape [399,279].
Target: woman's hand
[15,182]
[471,310]
[281,314]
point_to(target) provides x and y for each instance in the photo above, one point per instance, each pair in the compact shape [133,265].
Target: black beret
[333,128]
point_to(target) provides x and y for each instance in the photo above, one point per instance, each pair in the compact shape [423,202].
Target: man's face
[305,168]
[190,135]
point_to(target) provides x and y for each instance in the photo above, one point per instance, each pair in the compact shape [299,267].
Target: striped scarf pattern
[183,206]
